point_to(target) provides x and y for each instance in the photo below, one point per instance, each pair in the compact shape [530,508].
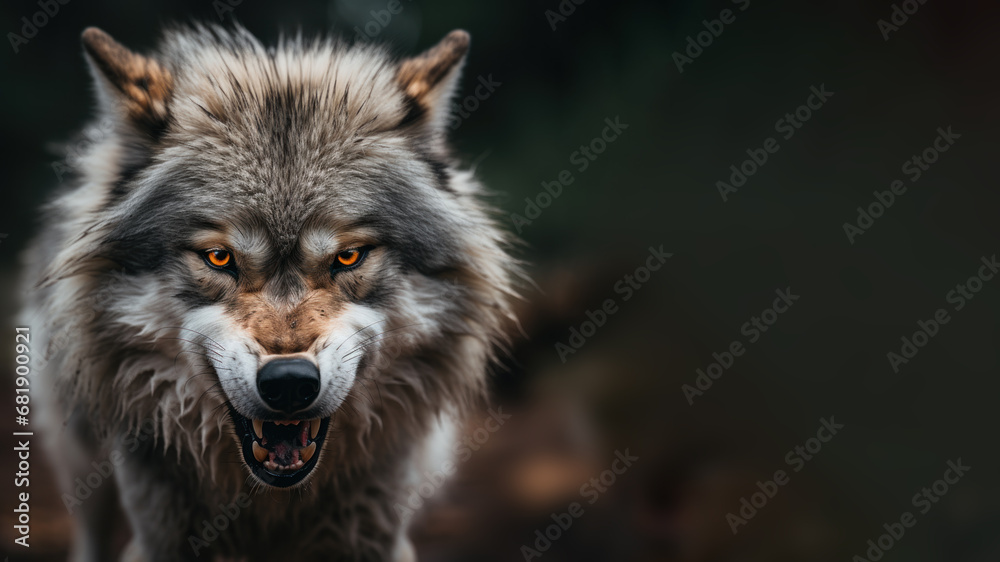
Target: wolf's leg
[159,509]
[78,458]
[94,525]
[132,553]
[404,551]
[436,452]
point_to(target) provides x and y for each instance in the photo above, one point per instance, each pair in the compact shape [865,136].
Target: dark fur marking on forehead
[153,232]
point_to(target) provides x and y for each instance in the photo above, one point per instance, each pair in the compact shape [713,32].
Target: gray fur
[284,149]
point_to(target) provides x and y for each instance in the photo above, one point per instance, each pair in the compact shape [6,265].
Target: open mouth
[280,452]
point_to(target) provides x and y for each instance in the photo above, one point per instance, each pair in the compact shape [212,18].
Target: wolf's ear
[429,78]
[139,85]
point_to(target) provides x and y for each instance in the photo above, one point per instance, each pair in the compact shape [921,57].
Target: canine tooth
[314,428]
[307,453]
[258,428]
[259,453]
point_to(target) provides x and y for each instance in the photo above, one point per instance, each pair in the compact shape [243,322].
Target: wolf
[267,300]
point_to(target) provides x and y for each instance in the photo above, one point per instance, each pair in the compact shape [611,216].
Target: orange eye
[348,258]
[219,258]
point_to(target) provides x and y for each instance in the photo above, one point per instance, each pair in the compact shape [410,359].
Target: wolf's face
[291,217]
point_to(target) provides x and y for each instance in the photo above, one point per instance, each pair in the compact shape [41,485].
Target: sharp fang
[258,428]
[259,453]
[314,428]
[307,453]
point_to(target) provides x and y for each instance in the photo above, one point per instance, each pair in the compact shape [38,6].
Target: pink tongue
[281,451]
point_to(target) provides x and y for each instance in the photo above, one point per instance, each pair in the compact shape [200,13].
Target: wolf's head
[289,217]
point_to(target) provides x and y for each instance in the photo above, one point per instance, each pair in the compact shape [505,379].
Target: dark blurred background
[655,185]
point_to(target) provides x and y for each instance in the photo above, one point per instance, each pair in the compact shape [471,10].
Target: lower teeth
[308,452]
[275,467]
[296,457]
[259,453]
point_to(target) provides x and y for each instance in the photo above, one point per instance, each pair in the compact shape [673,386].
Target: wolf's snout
[288,385]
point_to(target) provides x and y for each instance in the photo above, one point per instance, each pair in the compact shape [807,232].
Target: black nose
[288,385]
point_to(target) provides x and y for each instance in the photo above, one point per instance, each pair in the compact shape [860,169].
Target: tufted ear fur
[429,79]
[133,87]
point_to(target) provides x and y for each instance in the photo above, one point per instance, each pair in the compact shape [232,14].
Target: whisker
[363,347]
[222,347]
[176,357]
[362,342]
[203,346]
[356,333]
